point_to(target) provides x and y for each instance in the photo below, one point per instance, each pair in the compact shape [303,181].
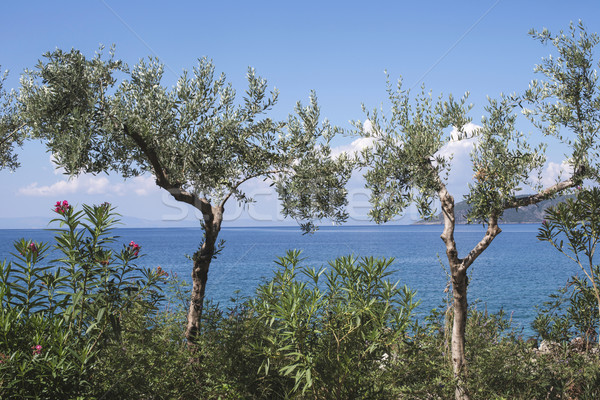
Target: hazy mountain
[126,222]
[534,213]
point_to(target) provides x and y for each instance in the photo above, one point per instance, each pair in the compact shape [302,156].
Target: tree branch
[449,218]
[5,139]
[162,178]
[237,184]
[543,195]
[493,230]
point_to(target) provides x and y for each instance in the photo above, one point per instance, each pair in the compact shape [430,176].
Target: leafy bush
[573,228]
[91,324]
[57,316]
[331,330]
[571,312]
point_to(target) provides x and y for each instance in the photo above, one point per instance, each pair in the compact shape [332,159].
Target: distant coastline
[532,214]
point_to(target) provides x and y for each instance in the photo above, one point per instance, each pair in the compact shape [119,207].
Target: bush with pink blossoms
[57,315]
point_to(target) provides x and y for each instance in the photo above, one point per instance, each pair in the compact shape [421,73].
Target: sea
[516,273]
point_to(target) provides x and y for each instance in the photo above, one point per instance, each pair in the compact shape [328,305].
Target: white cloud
[368,126]
[356,145]
[460,150]
[97,185]
[91,185]
[469,129]
[144,185]
[57,188]
[58,170]
[554,172]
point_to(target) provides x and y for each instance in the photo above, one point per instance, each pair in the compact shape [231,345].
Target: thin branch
[246,179]
[5,139]
[543,195]
[162,179]
[493,230]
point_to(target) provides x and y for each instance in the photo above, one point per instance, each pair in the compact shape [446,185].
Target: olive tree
[11,134]
[406,164]
[98,114]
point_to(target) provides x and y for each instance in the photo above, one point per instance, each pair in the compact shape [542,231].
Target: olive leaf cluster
[503,162]
[569,96]
[11,135]
[404,163]
[573,228]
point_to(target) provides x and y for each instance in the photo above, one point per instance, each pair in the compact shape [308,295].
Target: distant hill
[523,215]
[126,222]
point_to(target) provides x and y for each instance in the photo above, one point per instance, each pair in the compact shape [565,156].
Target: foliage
[577,220]
[571,312]
[569,97]
[151,360]
[331,331]
[199,142]
[502,161]
[353,330]
[404,164]
[10,131]
[57,316]
[196,138]
[409,161]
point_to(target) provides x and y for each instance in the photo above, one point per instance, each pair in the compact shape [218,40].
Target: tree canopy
[10,134]
[98,114]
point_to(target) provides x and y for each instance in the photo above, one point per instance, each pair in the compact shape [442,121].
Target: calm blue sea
[515,273]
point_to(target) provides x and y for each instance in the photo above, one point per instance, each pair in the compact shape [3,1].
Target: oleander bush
[57,315]
[332,330]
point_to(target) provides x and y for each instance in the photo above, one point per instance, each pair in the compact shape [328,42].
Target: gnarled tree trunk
[202,259]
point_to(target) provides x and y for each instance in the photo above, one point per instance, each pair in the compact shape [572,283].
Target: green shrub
[571,312]
[57,316]
[331,331]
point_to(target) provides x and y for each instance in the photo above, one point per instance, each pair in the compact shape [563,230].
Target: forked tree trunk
[459,295]
[202,259]
[458,270]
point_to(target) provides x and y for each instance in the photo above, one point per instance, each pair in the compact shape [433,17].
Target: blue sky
[339,49]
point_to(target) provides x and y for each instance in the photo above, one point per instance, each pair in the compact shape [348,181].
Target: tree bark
[458,270]
[202,259]
[459,362]
[459,293]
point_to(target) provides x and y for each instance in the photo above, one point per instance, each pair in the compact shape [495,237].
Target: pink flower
[61,208]
[32,248]
[37,349]
[161,272]
[134,248]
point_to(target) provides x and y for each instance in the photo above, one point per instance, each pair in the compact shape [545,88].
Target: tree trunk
[458,269]
[459,362]
[459,293]
[202,259]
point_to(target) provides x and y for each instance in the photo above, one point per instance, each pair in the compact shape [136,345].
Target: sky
[339,49]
